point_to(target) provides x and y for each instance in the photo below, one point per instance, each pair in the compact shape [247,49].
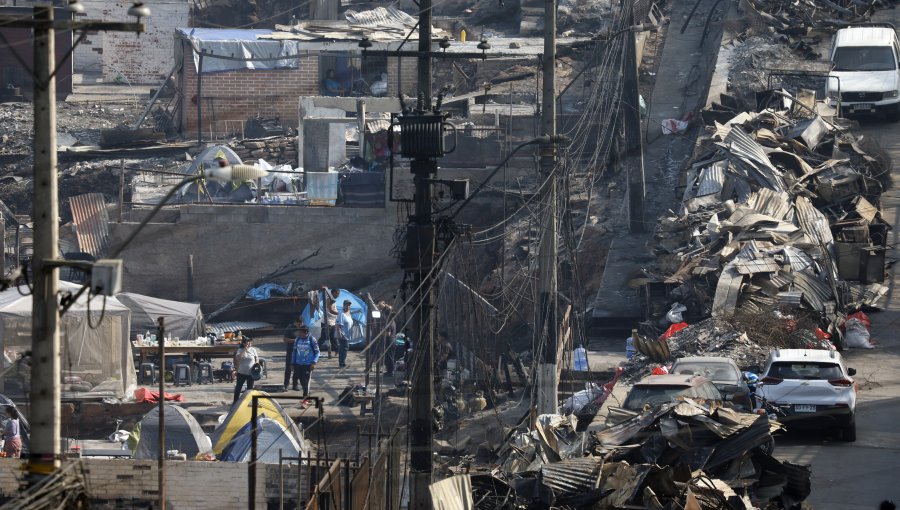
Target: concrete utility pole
[45,389]
[422,397]
[45,448]
[634,145]
[161,462]
[545,331]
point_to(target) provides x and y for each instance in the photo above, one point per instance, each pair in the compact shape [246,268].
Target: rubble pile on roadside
[672,456]
[710,337]
[798,18]
[780,211]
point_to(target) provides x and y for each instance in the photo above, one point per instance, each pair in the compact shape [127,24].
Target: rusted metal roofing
[381,16]
[712,179]
[727,292]
[771,203]
[91,220]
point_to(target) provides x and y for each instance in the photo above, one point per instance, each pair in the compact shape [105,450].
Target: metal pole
[424,59]
[45,387]
[545,331]
[121,188]
[251,467]
[161,462]
[633,135]
[361,123]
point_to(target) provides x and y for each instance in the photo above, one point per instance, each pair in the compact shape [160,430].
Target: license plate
[804,408]
[863,106]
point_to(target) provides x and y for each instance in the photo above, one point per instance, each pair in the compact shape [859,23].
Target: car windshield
[714,371]
[805,370]
[864,58]
[654,395]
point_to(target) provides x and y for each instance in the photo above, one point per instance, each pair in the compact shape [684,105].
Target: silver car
[723,372]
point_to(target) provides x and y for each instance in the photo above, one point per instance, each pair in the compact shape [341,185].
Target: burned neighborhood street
[451,255]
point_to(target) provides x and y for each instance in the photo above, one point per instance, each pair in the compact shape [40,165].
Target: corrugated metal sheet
[760,265]
[749,156]
[815,291]
[771,203]
[727,292]
[454,493]
[220,328]
[91,220]
[813,222]
[797,258]
[712,179]
[572,475]
[380,16]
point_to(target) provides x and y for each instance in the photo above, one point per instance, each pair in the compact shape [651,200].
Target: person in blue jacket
[304,359]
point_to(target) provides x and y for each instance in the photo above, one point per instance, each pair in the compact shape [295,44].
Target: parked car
[866,71]
[723,372]
[655,390]
[812,387]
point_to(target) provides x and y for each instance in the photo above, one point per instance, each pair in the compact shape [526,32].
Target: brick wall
[147,58]
[404,74]
[239,95]
[188,484]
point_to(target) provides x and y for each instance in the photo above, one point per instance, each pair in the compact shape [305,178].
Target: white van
[866,70]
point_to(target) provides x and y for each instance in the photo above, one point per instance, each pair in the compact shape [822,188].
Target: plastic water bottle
[580,359]
[629,344]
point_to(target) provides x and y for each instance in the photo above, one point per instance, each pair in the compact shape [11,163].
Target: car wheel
[848,433]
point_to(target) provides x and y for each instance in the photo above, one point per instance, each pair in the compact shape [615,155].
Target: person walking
[290,336]
[344,324]
[305,357]
[244,360]
[325,299]
[12,440]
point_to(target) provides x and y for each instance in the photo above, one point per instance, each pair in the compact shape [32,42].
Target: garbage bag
[674,316]
[857,335]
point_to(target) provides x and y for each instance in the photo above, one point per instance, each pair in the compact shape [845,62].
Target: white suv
[866,70]
[813,388]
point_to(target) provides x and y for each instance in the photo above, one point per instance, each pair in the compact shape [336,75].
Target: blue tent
[271,437]
[358,310]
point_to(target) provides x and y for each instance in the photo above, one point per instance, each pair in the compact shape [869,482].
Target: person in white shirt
[244,360]
[343,325]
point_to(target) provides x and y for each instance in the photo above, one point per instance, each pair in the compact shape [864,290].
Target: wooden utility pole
[45,389]
[161,462]
[545,331]
[45,447]
[421,434]
[634,146]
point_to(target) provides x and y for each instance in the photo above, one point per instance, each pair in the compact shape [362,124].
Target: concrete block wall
[239,95]
[235,245]
[146,59]
[188,484]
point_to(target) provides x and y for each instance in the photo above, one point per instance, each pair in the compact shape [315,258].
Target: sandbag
[857,335]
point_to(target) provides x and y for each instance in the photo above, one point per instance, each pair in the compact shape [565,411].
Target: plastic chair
[182,375]
[205,373]
[147,371]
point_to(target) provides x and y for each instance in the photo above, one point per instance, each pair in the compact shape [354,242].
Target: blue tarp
[264,291]
[358,310]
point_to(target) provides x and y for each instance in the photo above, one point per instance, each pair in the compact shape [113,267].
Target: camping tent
[94,339]
[240,415]
[183,433]
[183,320]
[271,438]
[358,310]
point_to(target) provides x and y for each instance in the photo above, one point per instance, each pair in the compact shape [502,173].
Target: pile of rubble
[798,18]
[710,337]
[679,455]
[276,150]
[780,211]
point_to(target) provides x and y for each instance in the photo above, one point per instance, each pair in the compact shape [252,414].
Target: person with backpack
[304,358]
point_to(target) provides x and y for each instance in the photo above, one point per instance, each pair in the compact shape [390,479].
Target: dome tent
[183,433]
[240,415]
[271,438]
